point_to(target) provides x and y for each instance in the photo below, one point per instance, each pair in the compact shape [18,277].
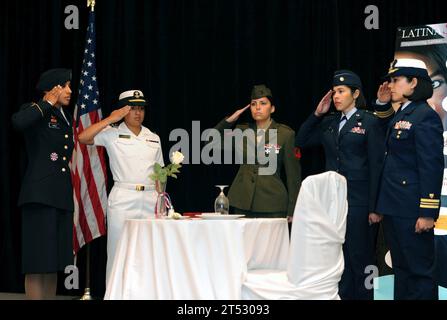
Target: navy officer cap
[346,78]
[408,67]
[53,77]
[132,98]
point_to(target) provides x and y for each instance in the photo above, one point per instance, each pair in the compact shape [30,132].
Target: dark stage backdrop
[194,60]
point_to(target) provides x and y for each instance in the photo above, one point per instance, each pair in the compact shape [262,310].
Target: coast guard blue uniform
[356,152]
[410,188]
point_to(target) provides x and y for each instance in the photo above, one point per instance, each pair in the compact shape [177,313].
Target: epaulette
[370,113]
[285,127]
[332,114]
[35,105]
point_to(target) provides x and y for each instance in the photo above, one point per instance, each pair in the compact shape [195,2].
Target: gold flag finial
[91,3]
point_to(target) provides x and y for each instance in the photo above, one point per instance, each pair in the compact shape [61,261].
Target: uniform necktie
[259,135]
[397,111]
[343,121]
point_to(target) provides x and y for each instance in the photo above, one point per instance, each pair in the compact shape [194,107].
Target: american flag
[88,167]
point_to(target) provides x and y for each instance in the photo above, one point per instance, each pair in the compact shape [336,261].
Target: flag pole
[91,4]
[87,295]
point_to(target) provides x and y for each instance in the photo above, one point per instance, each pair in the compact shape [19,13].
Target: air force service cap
[346,78]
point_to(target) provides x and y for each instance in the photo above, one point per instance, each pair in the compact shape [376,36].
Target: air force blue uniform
[410,188]
[356,152]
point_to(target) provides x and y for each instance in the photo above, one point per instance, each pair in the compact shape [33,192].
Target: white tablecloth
[194,259]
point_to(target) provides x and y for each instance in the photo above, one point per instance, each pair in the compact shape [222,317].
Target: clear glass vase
[161,210]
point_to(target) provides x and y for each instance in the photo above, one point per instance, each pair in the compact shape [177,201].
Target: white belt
[135,187]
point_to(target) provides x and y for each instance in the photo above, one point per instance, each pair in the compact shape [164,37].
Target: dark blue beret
[53,77]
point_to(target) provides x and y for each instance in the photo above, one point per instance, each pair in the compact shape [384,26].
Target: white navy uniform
[132,160]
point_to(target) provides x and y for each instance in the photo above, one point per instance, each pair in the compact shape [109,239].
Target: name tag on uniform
[154,141]
[124,136]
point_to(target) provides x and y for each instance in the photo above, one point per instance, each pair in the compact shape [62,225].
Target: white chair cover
[315,263]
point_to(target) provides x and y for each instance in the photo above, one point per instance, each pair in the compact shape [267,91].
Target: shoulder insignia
[297,152]
[333,114]
[285,127]
[37,106]
[370,113]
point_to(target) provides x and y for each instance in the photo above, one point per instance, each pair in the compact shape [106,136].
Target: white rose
[177,157]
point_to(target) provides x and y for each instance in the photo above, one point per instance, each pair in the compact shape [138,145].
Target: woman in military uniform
[133,150]
[46,195]
[256,190]
[353,142]
[411,180]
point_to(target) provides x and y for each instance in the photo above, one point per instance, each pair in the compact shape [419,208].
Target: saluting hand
[52,96]
[424,224]
[384,93]
[325,103]
[117,115]
[237,114]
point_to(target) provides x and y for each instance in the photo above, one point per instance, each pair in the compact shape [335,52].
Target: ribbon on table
[167,202]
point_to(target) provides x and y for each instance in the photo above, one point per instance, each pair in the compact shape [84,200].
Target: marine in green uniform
[253,192]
